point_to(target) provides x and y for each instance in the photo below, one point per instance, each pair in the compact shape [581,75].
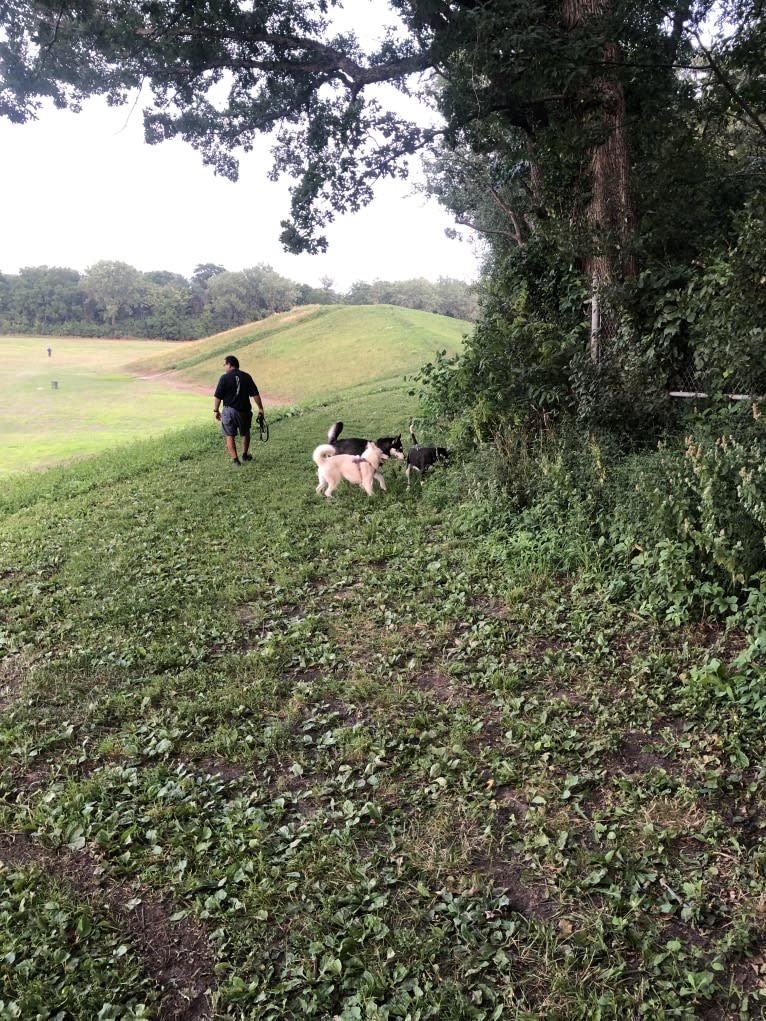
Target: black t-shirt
[235,389]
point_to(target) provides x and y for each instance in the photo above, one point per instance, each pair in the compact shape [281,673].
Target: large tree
[575,112]
[251,294]
[114,289]
[219,72]
[43,296]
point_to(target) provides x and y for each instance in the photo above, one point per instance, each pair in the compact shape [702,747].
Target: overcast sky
[79,188]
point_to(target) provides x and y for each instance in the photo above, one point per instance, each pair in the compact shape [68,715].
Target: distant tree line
[113,299]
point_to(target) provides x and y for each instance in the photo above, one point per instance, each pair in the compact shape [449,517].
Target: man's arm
[218,397]
[257,398]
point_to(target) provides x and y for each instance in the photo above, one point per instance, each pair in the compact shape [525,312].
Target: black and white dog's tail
[334,432]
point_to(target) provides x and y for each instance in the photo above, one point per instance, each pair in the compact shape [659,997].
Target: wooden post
[595,322]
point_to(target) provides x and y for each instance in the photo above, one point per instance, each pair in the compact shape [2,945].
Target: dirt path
[170,380]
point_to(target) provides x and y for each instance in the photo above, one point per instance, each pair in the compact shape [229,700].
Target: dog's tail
[322,452]
[334,432]
[412,434]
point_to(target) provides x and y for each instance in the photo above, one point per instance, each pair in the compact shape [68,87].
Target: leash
[263,428]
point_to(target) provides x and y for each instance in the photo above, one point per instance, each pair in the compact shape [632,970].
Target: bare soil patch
[169,378]
[176,954]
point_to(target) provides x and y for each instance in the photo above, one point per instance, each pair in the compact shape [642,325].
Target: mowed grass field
[97,404]
[113,392]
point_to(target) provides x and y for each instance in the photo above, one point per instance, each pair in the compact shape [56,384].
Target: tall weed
[708,496]
[678,530]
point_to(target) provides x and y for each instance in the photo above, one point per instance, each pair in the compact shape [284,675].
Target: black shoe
[236,462]
[247,457]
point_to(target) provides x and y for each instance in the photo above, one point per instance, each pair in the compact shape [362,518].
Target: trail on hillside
[171,380]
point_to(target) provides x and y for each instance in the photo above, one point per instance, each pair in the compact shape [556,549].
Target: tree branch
[723,78]
[487,231]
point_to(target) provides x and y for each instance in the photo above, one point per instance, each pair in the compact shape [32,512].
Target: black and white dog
[422,458]
[390,445]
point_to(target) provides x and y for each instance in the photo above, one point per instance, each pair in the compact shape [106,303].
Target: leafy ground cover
[264,755]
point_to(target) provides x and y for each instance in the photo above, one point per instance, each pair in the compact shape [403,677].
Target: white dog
[360,471]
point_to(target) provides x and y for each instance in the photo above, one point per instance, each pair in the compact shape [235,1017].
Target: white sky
[79,188]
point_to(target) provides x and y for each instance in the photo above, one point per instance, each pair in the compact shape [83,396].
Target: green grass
[317,352]
[112,392]
[98,403]
[264,755]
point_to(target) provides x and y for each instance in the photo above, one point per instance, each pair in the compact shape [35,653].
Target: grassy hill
[268,756]
[109,393]
[317,351]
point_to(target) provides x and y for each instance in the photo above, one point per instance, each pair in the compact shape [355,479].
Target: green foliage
[625,392]
[521,180]
[449,297]
[512,366]
[679,530]
[726,308]
[707,506]
[113,299]
[406,758]
[63,959]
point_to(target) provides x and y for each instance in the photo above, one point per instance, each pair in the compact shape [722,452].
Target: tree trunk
[608,214]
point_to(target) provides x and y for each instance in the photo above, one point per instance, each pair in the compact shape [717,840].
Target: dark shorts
[233,422]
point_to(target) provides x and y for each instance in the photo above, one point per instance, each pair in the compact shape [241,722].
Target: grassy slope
[268,756]
[311,353]
[110,392]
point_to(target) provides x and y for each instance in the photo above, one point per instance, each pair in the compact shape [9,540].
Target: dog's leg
[381,481]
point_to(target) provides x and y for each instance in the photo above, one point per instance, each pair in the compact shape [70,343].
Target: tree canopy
[114,299]
[218,73]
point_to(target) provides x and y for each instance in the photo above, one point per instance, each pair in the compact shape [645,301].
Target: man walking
[235,389]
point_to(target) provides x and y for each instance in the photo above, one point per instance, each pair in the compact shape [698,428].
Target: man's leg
[229,430]
[246,447]
[231,446]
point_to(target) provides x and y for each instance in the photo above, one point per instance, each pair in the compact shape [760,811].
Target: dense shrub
[676,530]
[702,540]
